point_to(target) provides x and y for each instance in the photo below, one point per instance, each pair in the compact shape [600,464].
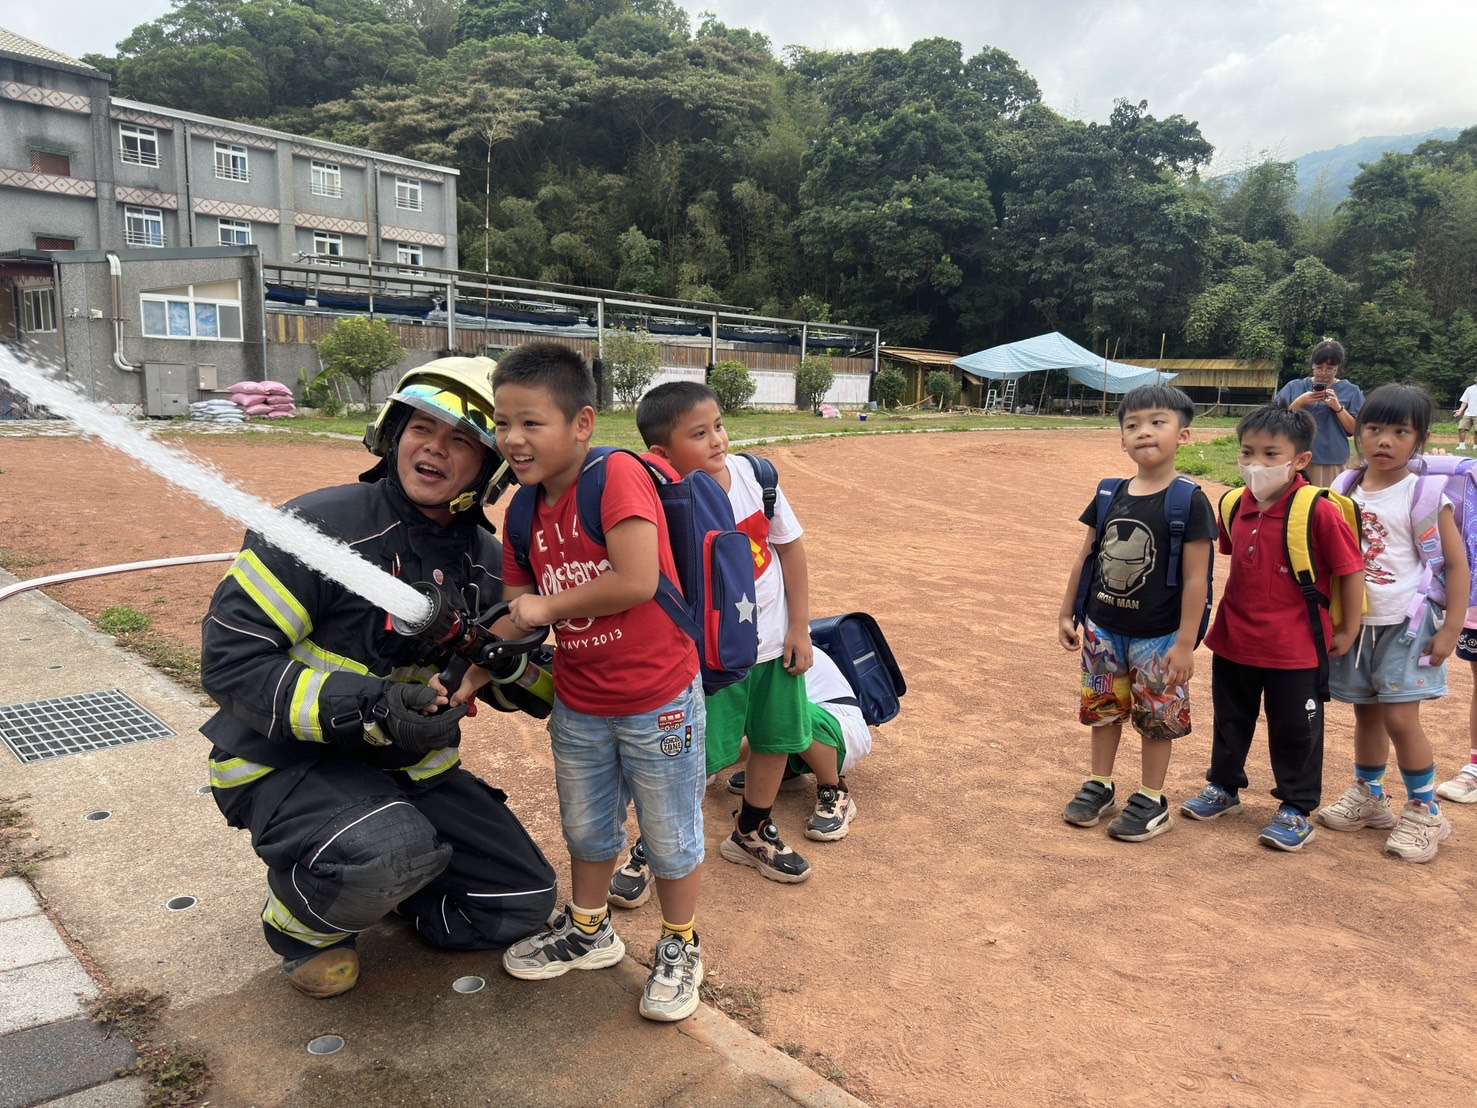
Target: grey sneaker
[834,811]
[562,947]
[1462,788]
[765,851]
[630,886]
[1357,808]
[671,991]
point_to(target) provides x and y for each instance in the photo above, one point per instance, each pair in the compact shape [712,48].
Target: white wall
[776,387]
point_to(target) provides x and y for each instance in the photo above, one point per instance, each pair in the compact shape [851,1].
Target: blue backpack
[855,643]
[713,599]
[1177,503]
[768,478]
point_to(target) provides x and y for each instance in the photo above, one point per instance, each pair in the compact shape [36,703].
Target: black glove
[398,714]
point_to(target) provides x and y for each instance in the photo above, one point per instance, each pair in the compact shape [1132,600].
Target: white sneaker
[1462,788]
[1418,834]
[1357,808]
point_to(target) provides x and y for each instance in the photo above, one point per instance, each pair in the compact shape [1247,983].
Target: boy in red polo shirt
[1262,639]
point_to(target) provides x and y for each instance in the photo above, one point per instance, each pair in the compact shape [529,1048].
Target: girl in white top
[1400,658]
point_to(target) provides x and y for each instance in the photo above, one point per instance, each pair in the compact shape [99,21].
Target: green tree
[360,349]
[734,385]
[813,380]
[941,388]
[632,361]
[889,387]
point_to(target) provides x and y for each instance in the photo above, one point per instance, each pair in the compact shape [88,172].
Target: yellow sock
[685,930]
[588,920]
[1105,782]
[1156,795]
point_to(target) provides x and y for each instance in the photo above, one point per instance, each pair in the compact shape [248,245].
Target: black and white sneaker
[630,886]
[834,811]
[671,991]
[1141,819]
[1093,801]
[765,851]
[562,947]
[791,782]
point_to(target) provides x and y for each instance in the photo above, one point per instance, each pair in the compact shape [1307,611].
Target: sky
[1282,76]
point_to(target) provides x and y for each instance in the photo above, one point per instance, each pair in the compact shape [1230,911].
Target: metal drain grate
[45,729]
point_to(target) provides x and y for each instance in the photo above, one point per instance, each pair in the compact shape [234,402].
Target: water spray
[288,532]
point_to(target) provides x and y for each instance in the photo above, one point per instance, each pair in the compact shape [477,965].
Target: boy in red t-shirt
[1262,639]
[628,719]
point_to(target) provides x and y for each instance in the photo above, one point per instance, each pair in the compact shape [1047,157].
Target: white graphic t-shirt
[824,682]
[747,498]
[1392,568]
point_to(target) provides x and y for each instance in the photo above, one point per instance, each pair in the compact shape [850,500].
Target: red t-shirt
[618,665]
[1263,619]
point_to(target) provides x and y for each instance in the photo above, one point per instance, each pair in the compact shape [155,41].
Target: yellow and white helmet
[457,391]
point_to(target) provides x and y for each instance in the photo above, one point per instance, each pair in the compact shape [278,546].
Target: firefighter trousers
[346,844]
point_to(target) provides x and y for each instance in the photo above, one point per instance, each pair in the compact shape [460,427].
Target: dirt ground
[962,945]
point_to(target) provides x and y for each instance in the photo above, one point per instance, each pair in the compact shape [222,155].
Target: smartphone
[1319,386]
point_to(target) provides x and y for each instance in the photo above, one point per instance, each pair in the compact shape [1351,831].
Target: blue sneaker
[1212,803]
[1289,829]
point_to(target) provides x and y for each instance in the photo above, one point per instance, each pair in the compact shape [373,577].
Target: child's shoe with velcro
[1462,789]
[1357,808]
[791,782]
[630,886]
[1212,802]
[1093,801]
[834,811]
[1419,833]
[1289,830]
[765,851]
[1142,818]
[562,947]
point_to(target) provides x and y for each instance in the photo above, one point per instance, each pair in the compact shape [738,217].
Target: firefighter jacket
[296,661]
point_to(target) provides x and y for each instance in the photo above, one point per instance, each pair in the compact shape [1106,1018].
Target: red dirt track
[963,945]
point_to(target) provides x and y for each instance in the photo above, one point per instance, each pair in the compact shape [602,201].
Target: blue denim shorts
[657,759]
[1383,667]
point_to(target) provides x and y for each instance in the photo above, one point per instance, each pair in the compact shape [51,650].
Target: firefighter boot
[327,973]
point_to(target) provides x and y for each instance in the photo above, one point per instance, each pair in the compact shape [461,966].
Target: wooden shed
[1219,381]
[916,364]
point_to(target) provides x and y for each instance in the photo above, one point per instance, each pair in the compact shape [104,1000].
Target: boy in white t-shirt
[1464,415]
[682,423]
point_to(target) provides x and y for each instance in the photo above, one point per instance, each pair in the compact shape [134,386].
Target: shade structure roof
[1054,350]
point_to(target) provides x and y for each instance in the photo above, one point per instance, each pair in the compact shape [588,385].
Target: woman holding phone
[1334,405]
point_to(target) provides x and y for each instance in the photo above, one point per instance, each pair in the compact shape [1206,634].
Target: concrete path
[409,1038]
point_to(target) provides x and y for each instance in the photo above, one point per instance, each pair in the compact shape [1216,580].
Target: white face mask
[1266,481]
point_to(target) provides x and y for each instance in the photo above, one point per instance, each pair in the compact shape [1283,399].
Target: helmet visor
[451,405]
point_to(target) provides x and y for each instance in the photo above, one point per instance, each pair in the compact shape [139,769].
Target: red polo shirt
[1262,619]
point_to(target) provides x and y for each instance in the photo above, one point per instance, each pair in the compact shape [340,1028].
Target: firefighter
[330,747]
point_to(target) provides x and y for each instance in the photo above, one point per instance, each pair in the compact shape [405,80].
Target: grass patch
[1215,460]
[124,621]
[20,853]
[744,1003]
[177,1076]
[820,1062]
[14,561]
[180,663]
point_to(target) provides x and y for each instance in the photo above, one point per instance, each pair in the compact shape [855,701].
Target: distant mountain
[1337,168]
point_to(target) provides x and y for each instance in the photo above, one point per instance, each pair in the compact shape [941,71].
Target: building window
[329,247]
[408,254]
[187,313]
[235,232]
[138,145]
[407,194]
[49,242]
[230,162]
[38,310]
[57,165]
[143,226]
[327,180]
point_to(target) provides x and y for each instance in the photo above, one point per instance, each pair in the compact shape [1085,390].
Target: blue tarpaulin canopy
[1055,351]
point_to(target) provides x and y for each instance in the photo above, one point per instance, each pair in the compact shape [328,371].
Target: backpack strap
[1297,544]
[1344,483]
[1107,489]
[1177,503]
[768,478]
[518,524]
[1229,505]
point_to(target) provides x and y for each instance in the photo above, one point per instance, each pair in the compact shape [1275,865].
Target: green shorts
[769,706]
[825,730]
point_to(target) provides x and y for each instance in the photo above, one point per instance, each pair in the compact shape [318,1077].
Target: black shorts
[1466,645]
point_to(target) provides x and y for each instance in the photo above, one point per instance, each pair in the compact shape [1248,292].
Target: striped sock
[588,920]
[1374,777]
[683,930]
[1421,785]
